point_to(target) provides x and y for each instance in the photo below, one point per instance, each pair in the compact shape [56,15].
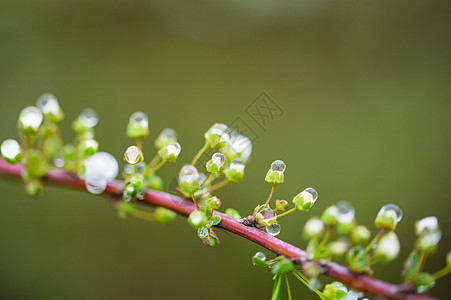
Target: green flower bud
[329,215]
[338,248]
[217,135]
[388,217]
[360,235]
[35,164]
[282,265]
[345,228]
[314,227]
[305,199]
[166,136]
[138,125]
[11,151]
[171,152]
[235,171]
[34,187]
[30,120]
[213,202]
[275,174]
[388,247]
[216,164]
[197,219]
[88,147]
[154,182]
[189,180]
[233,213]
[133,155]
[49,106]
[281,205]
[125,209]
[428,240]
[424,282]
[334,291]
[86,121]
[428,223]
[358,260]
[164,215]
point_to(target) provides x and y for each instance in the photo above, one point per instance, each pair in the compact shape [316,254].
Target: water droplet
[202,232]
[139,118]
[218,159]
[391,207]
[140,168]
[174,148]
[346,212]
[88,117]
[48,103]
[260,255]
[10,149]
[95,181]
[169,133]
[188,174]
[220,129]
[309,195]
[128,169]
[427,223]
[239,146]
[102,163]
[31,117]
[278,165]
[59,160]
[133,155]
[273,229]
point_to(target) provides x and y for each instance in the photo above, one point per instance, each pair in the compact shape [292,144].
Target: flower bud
[49,106]
[164,216]
[235,171]
[305,199]
[86,121]
[314,227]
[275,174]
[133,155]
[427,223]
[388,247]
[138,125]
[338,248]
[329,215]
[388,217]
[213,202]
[197,219]
[188,180]
[30,119]
[217,135]
[166,136]
[34,187]
[360,235]
[238,146]
[216,164]
[428,240]
[171,152]
[11,151]
[88,147]
[281,205]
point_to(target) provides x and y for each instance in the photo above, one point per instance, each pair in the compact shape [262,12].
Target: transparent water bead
[391,209]
[88,117]
[260,255]
[31,117]
[240,146]
[174,148]
[220,129]
[346,212]
[140,168]
[202,232]
[11,150]
[218,159]
[309,195]
[273,229]
[169,133]
[133,155]
[278,165]
[48,103]
[188,174]
[139,118]
[102,163]
[427,223]
[95,182]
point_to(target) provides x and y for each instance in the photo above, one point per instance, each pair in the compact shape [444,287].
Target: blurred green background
[364,87]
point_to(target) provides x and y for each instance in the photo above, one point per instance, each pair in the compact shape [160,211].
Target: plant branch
[183,207]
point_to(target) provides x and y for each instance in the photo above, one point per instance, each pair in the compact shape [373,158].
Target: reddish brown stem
[183,207]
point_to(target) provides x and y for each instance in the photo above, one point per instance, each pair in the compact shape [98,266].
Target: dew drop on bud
[273,229]
[202,232]
[140,168]
[133,155]
[218,159]
[139,118]
[31,117]
[174,148]
[188,174]
[278,165]
[346,212]
[169,133]
[48,103]
[88,117]
[309,195]
[391,207]
[95,181]
[102,163]
[260,255]
[10,149]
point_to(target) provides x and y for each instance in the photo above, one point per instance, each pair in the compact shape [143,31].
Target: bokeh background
[365,91]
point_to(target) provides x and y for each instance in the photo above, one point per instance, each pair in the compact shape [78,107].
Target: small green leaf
[215,219]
